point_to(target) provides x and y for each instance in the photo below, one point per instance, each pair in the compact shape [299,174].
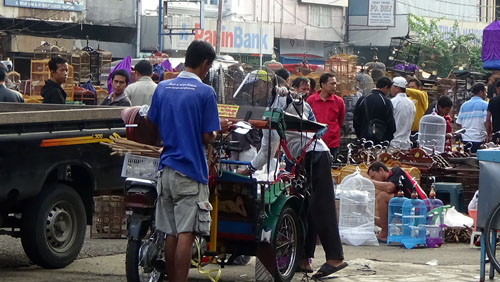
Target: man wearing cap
[404,111]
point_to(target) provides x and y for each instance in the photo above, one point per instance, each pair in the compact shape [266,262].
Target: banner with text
[381,12]
[236,37]
[66,5]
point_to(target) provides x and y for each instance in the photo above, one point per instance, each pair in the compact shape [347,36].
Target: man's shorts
[182,205]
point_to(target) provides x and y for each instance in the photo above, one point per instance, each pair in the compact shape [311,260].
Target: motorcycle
[145,259]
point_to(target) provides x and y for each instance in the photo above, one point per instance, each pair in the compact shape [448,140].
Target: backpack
[376,127]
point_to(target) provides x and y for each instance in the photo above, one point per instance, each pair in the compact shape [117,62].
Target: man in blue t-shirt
[185,112]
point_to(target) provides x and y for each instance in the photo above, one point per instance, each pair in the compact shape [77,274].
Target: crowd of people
[185,112]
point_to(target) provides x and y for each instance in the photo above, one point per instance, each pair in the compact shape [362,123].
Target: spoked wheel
[286,245]
[144,261]
[490,234]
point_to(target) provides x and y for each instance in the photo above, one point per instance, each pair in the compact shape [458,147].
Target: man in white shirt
[404,111]
[141,91]
[472,117]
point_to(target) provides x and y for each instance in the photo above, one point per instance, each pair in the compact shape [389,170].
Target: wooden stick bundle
[121,146]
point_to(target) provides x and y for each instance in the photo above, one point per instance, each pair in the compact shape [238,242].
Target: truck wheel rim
[60,227]
[286,245]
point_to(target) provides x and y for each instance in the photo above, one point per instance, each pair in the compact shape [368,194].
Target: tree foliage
[442,52]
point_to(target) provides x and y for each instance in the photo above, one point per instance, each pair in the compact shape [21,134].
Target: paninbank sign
[236,37]
[67,5]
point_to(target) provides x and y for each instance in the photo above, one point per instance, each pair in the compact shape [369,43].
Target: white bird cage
[357,209]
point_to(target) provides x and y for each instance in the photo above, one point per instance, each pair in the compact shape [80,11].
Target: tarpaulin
[491,42]
[125,64]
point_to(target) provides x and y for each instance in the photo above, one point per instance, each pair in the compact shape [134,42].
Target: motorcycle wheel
[135,272]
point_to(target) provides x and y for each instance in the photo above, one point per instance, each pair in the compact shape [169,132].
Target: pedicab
[262,218]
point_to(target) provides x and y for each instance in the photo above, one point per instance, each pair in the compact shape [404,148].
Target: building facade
[293,30]
[371,29]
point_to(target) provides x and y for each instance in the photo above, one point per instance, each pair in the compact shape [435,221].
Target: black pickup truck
[51,165]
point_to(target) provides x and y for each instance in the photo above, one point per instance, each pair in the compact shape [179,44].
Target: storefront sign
[381,12]
[66,5]
[236,37]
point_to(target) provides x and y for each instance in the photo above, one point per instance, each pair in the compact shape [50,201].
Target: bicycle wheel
[489,230]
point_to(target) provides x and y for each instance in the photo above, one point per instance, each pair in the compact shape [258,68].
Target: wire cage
[95,67]
[344,67]
[48,51]
[403,52]
[252,87]
[460,57]
[75,60]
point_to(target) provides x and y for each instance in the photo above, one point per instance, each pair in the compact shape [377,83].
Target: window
[487,10]
[212,2]
[320,16]
[497,11]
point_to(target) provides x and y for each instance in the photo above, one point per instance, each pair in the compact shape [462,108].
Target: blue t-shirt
[183,109]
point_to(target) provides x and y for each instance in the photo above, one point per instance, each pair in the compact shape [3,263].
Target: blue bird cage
[414,221]
[395,218]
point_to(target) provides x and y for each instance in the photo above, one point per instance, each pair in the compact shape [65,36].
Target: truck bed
[18,118]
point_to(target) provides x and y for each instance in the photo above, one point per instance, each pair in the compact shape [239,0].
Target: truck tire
[53,227]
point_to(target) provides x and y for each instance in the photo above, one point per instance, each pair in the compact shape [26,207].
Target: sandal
[327,269]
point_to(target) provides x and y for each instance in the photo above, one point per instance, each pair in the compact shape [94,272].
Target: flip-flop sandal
[327,269]
[305,270]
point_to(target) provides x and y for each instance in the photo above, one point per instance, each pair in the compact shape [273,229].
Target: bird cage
[68,85]
[414,221]
[432,134]
[435,220]
[402,51]
[39,74]
[395,218]
[95,67]
[105,66]
[460,57]
[75,62]
[84,66]
[58,51]
[42,52]
[344,67]
[357,209]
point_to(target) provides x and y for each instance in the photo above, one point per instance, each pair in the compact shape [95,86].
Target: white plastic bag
[453,218]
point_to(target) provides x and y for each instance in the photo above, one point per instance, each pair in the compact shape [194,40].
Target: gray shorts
[182,205]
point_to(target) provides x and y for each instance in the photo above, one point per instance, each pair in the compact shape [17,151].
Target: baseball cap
[399,81]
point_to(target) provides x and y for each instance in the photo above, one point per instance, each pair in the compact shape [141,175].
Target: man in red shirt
[330,109]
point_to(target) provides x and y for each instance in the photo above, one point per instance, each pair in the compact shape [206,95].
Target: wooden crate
[109,220]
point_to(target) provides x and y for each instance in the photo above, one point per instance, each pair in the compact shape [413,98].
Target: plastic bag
[453,218]
[88,86]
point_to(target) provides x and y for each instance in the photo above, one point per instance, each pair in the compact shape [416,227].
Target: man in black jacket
[52,91]
[378,108]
